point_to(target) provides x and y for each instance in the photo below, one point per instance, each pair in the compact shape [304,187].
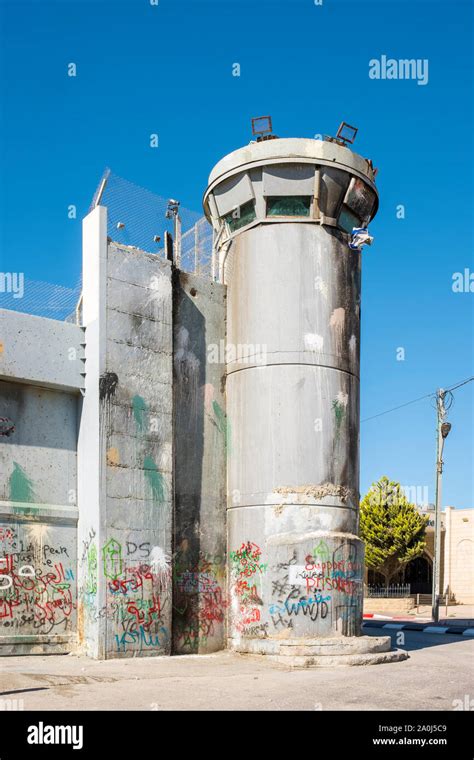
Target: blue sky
[167,69]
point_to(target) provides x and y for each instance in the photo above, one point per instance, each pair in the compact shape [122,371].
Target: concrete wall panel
[200,438]
[38,519]
[41,351]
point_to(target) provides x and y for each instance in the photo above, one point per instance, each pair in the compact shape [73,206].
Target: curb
[376,616]
[440,629]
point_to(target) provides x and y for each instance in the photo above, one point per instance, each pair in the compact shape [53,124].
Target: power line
[380,414]
[463,382]
[428,395]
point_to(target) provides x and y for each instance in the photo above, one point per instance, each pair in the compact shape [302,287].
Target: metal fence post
[196,248]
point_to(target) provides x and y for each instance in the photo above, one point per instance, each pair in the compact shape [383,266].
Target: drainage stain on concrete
[339,406]
[223,424]
[108,382]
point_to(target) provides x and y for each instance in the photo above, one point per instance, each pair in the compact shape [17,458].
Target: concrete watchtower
[283,212]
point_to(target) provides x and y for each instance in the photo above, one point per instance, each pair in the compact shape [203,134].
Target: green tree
[391,527]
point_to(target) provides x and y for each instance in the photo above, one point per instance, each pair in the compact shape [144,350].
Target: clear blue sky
[168,69]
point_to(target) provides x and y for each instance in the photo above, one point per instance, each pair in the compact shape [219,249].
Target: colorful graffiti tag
[328,586]
[138,594]
[246,570]
[37,583]
[200,603]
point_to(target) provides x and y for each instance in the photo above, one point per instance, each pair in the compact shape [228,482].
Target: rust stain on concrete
[113,457]
[317,491]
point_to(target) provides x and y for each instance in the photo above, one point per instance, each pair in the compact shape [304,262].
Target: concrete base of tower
[324,652]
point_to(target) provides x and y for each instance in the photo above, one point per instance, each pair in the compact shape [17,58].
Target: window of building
[290,205]
[347,220]
[241,216]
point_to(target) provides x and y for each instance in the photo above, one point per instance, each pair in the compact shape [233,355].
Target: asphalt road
[438,672]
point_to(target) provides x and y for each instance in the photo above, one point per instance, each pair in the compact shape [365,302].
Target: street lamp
[443,432]
[445,428]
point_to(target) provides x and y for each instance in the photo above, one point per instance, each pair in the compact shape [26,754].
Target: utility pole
[443,429]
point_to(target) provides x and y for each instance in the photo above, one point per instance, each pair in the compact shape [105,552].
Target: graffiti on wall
[137,586]
[200,601]
[246,569]
[327,586]
[137,596]
[37,582]
[324,587]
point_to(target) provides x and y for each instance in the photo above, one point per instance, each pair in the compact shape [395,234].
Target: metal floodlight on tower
[262,128]
[284,212]
[346,133]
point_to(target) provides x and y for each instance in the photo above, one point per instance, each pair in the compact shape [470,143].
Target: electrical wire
[463,382]
[414,401]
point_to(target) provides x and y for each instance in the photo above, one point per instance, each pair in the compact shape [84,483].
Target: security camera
[172,202]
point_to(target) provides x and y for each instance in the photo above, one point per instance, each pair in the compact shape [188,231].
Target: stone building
[457,558]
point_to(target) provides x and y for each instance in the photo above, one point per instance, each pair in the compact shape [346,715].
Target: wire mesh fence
[138,217]
[43,299]
[196,249]
[135,217]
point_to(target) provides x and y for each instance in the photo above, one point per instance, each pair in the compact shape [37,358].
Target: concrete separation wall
[111,431]
[41,370]
[136,408]
[200,437]
[41,351]
[126,445]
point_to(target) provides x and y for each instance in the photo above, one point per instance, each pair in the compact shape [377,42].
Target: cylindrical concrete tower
[283,211]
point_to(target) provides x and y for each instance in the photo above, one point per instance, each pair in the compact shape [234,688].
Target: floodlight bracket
[265,126]
[344,126]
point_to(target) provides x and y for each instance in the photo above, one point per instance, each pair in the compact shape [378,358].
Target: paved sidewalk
[438,672]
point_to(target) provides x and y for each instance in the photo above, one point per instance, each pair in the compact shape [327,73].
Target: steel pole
[437,536]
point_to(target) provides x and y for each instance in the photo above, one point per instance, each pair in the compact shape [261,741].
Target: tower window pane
[291,205]
[241,217]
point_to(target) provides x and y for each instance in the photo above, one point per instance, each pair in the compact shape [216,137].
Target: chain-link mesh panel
[42,299]
[196,249]
[135,217]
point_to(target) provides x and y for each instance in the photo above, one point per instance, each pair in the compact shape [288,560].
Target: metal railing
[387,592]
